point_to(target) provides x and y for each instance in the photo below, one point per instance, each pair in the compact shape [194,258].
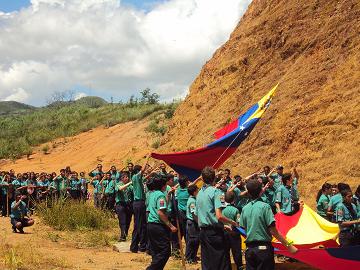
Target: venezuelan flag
[228,139]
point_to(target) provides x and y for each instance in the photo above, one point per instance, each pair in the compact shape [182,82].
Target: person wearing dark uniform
[348,219]
[258,221]
[123,207]
[233,238]
[209,204]
[159,226]
[138,241]
[192,227]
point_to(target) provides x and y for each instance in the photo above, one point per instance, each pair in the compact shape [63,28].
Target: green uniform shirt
[240,201]
[115,176]
[60,183]
[334,201]
[138,187]
[97,186]
[157,201]
[342,213]
[231,212]
[169,203]
[207,201]
[16,183]
[182,198]
[322,205]
[75,184]
[256,218]
[20,211]
[269,196]
[122,195]
[283,196]
[191,208]
[4,188]
[277,180]
[356,201]
[110,187]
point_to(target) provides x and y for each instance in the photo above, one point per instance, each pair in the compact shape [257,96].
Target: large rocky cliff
[313,49]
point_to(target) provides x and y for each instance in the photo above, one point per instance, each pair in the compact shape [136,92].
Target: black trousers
[182,223]
[214,254]
[159,236]
[260,257]
[138,241]
[174,236]
[124,213]
[233,242]
[4,205]
[110,201]
[192,240]
[346,239]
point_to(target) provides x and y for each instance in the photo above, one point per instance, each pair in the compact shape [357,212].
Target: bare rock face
[313,49]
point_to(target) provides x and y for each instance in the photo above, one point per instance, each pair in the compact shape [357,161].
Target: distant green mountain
[13,107]
[92,101]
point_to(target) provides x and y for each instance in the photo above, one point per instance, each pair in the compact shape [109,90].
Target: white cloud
[80,95]
[18,94]
[55,45]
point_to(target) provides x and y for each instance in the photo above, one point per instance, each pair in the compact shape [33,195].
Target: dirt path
[37,249]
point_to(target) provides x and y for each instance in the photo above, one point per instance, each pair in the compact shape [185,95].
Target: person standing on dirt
[97,171]
[61,184]
[159,226]
[18,216]
[139,240]
[209,204]
[95,182]
[259,223]
[123,194]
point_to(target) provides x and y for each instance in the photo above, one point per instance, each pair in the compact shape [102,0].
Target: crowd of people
[166,207]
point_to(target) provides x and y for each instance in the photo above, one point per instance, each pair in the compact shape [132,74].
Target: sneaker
[14,230]
[21,231]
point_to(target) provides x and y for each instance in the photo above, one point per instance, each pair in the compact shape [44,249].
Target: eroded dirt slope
[313,49]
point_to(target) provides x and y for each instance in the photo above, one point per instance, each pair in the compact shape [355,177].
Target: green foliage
[18,133]
[92,102]
[156,144]
[72,216]
[45,149]
[13,107]
[149,98]
[156,128]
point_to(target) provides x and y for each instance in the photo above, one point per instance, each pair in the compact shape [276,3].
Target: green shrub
[156,144]
[71,216]
[18,133]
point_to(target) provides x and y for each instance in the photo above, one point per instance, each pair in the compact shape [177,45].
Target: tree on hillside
[60,98]
[149,98]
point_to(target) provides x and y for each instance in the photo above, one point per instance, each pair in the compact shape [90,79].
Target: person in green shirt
[285,195]
[18,216]
[4,198]
[348,219]
[232,238]
[83,187]
[139,238]
[123,207]
[95,182]
[97,171]
[182,197]
[74,185]
[109,192]
[209,204]
[277,177]
[192,227]
[61,184]
[259,223]
[335,200]
[159,226]
[322,200]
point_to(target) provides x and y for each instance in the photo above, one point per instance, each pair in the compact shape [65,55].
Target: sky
[109,48]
